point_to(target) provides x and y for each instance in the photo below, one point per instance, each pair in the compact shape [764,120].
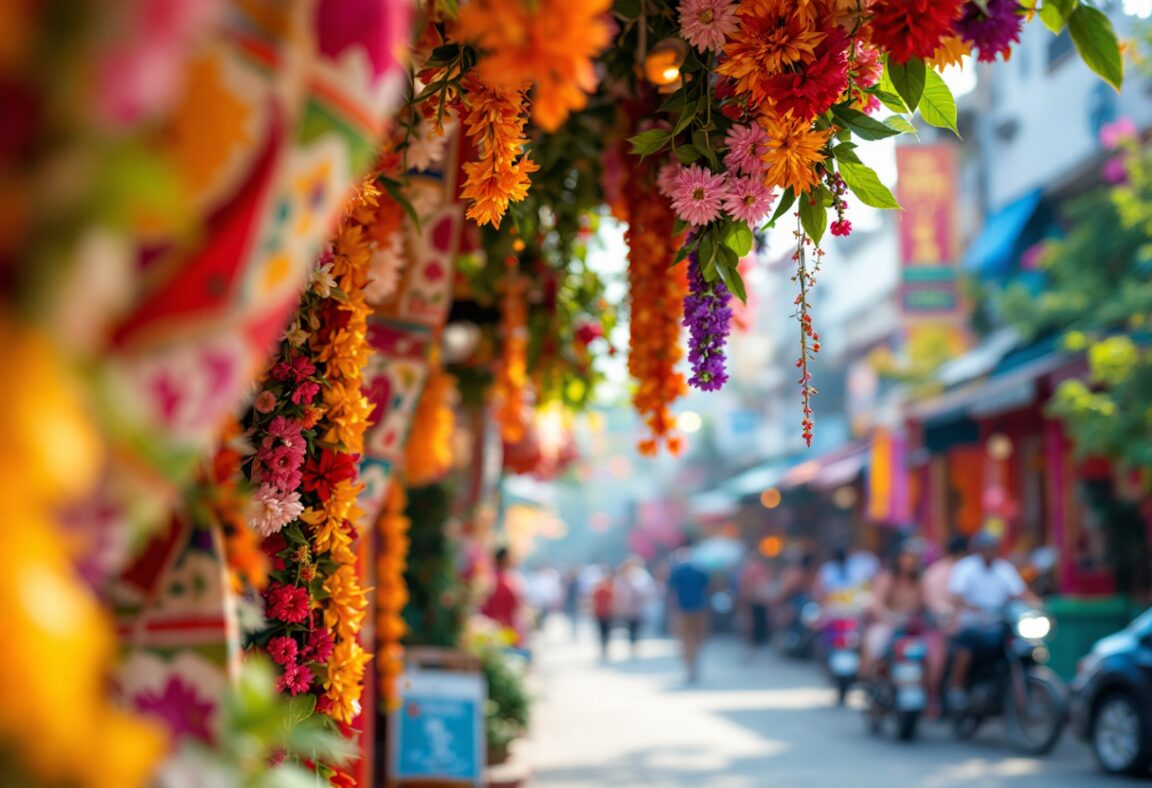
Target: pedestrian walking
[689,585]
[602,608]
[753,590]
[505,603]
[632,590]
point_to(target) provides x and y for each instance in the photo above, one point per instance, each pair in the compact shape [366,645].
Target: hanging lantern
[663,62]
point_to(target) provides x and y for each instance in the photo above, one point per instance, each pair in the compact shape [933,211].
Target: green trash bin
[1078,623]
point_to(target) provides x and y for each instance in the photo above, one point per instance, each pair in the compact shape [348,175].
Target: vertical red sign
[926,189]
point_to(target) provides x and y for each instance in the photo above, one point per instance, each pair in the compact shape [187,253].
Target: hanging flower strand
[805,277]
[708,318]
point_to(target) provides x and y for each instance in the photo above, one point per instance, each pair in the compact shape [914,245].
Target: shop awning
[713,504]
[834,469]
[1003,238]
[755,480]
[843,471]
[1003,391]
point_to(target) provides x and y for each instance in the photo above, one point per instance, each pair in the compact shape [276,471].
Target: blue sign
[438,731]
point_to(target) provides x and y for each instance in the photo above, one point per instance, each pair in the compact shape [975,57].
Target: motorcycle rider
[897,596]
[981,585]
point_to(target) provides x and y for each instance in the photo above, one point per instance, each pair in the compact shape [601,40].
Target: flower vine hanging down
[391,592]
[708,318]
[307,426]
[495,123]
[656,295]
[512,371]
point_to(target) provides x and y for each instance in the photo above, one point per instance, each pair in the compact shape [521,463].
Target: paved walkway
[769,722]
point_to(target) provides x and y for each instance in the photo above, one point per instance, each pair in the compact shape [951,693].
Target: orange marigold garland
[549,43]
[656,295]
[391,592]
[494,121]
[226,502]
[512,372]
[306,427]
[428,455]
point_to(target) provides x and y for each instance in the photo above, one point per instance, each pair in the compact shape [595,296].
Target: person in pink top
[504,603]
[940,604]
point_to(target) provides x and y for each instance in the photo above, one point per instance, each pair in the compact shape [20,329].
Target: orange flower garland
[512,373]
[391,592]
[307,426]
[227,504]
[495,123]
[549,43]
[656,294]
[428,456]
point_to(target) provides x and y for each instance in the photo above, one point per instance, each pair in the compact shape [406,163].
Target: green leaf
[706,253]
[1096,42]
[650,141]
[703,145]
[738,238]
[866,185]
[730,274]
[1054,14]
[909,80]
[688,114]
[937,106]
[686,154]
[861,125]
[813,216]
[845,151]
[889,100]
[786,201]
[901,124]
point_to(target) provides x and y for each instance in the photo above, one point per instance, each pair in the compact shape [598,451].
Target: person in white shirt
[981,585]
[632,590]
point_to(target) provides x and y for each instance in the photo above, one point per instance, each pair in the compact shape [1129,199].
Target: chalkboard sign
[438,730]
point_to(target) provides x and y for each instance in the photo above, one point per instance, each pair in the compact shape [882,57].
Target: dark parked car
[1112,704]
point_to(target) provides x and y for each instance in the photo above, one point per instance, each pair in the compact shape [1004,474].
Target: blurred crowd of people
[765,598]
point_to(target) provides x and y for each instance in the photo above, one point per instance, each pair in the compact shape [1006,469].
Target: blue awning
[1003,238]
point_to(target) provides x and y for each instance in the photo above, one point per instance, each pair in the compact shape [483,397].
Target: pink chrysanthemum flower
[697,194]
[748,199]
[283,650]
[746,146]
[666,178]
[271,511]
[705,24]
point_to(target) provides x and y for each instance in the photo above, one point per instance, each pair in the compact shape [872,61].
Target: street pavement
[763,722]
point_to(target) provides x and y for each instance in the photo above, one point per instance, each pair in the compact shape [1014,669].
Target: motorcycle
[898,689]
[840,642]
[799,630]
[1014,683]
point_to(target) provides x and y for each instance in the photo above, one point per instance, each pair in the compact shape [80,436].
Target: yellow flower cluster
[345,349]
[59,646]
[391,592]
[341,345]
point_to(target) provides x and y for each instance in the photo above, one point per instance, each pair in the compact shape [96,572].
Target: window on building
[1059,49]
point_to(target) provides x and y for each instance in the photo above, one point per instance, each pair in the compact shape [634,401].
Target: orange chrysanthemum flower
[951,52]
[771,37]
[550,43]
[793,151]
[495,122]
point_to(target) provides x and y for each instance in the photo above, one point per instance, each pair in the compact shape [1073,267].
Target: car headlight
[1034,627]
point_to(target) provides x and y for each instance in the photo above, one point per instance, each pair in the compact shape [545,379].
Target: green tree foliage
[436,606]
[1098,296]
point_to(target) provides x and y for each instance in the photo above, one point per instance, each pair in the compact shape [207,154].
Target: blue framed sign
[438,730]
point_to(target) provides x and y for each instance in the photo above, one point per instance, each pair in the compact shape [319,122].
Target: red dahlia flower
[323,473]
[912,28]
[813,87]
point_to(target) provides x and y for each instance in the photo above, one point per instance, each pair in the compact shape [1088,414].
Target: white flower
[271,511]
[384,269]
[295,335]
[323,283]
[426,146]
